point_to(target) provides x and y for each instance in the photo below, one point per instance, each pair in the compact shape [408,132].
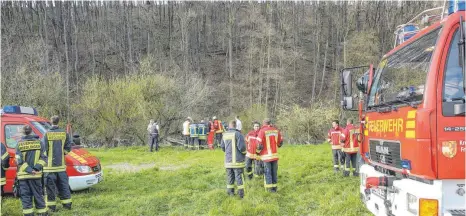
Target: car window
[42,126]
[453,79]
[403,74]
[13,133]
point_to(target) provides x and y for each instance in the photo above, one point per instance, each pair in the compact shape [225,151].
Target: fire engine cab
[412,118]
[82,167]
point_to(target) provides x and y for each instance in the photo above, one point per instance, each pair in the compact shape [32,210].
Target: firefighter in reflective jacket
[57,145]
[350,147]
[334,137]
[5,165]
[187,138]
[235,150]
[251,156]
[202,128]
[218,128]
[31,159]
[268,142]
[194,134]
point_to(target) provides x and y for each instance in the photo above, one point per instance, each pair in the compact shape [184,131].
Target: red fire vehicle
[82,167]
[412,120]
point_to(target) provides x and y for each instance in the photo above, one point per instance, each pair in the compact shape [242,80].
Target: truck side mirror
[76,139]
[347,82]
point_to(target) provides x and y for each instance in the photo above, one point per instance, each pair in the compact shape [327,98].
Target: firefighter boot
[52,208]
[274,190]
[355,173]
[231,191]
[346,173]
[67,206]
[241,193]
[336,170]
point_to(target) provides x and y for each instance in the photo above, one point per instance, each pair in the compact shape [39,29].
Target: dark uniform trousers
[154,142]
[218,139]
[31,190]
[271,175]
[338,159]
[258,168]
[351,158]
[235,174]
[202,143]
[194,143]
[57,181]
[187,140]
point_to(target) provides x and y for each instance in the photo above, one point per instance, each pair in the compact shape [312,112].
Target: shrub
[306,125]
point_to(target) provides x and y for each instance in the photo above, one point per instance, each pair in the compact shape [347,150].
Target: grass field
[179,182]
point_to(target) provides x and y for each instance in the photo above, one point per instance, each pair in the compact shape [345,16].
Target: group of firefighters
[257,153]
[204,134]
[41,162]
[345,147]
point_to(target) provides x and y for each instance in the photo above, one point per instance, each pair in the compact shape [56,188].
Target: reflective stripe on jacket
[5,163]
[235,149]
[57,145]
[251,141]
[30,156]
[335,137]
[193,130]
[351,144]
[269,140]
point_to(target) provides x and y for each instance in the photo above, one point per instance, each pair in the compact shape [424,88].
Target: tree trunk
[323,69]
[230,53]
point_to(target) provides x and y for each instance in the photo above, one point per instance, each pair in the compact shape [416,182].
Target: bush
[46,93]
[112,111]
[255,113]
[306,125]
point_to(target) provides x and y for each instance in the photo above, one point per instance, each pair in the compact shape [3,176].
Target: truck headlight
[412,203]
[83,169]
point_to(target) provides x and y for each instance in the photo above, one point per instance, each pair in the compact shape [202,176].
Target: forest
[107,67]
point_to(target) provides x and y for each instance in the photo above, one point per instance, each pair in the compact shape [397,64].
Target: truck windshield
[42,126]
[402,75]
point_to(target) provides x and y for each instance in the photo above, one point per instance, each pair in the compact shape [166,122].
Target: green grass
[193,183]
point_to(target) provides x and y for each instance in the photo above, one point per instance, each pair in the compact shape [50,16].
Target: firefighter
[194,135]
[218,128]
[5,165]
[31,159]
[334,136]
[350,148]
[211,135]
[269,140]
[239,124]
[57,145]
[251,155]
[235,150]
[187,139]
[202,128]
[153,129]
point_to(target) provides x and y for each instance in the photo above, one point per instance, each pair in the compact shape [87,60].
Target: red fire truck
[82,167]
[412,119]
